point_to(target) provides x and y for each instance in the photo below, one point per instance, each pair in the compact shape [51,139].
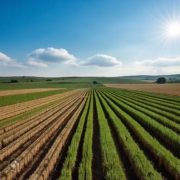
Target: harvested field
[15,109]
[28,141]
[171,89]
[26,91]
[102,133]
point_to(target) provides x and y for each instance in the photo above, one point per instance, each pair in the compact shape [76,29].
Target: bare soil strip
[26,91]
[63,121]
[170,89]
[18,130]
[15,109]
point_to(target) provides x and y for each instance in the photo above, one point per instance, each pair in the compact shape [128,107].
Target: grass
[13,99]
[66,82]
[31,85]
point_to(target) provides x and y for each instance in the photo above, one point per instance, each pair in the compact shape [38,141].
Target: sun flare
[170,30]
[173,29]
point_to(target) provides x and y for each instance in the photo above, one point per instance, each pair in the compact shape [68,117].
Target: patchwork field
[171,89]
[92,133]
[26,91]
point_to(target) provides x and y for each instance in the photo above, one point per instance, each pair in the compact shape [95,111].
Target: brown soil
[26,91]
[60,120]
[15,109]
[170,89]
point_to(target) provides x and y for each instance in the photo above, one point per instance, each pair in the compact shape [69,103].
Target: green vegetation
[165,157]
[69,164]
[25,115]
[138,135]
[143,167]
[164,133]
[169,112]
[13,99]
[140,107]
[85,168]
[161,80]
[113,168]
[63,82]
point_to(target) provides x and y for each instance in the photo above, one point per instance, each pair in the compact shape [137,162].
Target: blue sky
[89,38]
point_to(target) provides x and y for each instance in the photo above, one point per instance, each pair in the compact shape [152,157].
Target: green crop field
[66,82]
[92,133]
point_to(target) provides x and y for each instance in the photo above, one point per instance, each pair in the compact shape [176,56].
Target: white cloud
[157,66]
[161,62]
[43,56]
[36,64]
[5,60]
[101,60]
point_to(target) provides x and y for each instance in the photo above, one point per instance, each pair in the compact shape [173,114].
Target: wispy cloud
[43,56]
[101,60]
[5,60]
[103,64]
[161,62]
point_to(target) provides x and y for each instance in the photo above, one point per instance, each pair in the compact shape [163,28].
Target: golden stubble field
[171,89]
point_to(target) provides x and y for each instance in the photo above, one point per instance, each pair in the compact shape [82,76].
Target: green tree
[161,80]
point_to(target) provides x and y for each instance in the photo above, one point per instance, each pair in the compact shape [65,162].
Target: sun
[172,29]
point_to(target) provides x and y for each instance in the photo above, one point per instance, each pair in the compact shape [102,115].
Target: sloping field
[102,133]
[25,91]
[171,89]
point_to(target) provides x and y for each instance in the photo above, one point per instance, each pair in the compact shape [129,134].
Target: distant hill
[100,80]
[170,78]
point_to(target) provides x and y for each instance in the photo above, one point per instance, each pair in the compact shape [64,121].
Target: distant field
[67,82]
[171,89]
[32,85]
[25,91]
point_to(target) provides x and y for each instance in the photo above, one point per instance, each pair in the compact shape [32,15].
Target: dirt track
[25,91]
[171,89]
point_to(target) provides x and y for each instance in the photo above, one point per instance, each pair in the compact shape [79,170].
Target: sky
[89,37]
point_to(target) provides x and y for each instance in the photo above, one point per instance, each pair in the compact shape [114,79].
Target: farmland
[91,133]
[170,89]
[25,91]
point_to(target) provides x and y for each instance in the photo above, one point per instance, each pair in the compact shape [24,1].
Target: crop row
[11,124]
[70,161]
[49,161]
[155,103]
[164,156]
[18,131]
[54,125]
[104,129]
[15,109]
[163,133]
[149,106]
[144,109]
[7,150]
